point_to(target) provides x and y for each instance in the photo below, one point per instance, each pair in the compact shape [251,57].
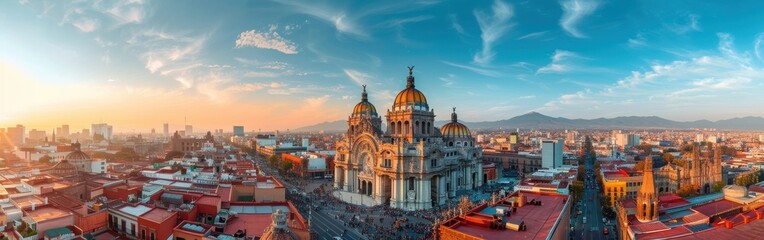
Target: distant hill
[534,120]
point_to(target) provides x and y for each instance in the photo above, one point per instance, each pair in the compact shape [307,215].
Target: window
[143,233]
[411,183]
[153,232]
[434,162]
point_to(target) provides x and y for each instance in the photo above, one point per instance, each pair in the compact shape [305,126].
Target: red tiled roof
[677,231]
[649,227]
[716,207]
[751,230]
[695,217]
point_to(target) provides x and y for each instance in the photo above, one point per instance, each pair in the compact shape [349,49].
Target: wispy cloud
[266,40]
[448,80]
[573,11]
[757,45]
[86,24]
[455,24]
[341,21]
[533,35]
[358,77]
[691,23]
[559,62]
[478,70]
[493,27]
[401,21]
[528,97]
[638,41]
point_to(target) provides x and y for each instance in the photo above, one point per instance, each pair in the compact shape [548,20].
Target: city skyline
[284,65]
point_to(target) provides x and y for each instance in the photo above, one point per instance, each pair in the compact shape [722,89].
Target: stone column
[442,190]
[427,193]
[468,179]
[346,180]
[337,176]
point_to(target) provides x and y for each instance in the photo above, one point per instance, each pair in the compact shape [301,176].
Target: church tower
[717,167]
[647,198]
[364,118]
[411,119]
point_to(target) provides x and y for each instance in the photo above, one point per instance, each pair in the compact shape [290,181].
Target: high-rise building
[632,140]
[64,131]
[189,130]
[103,129]
[551,153]
[238,130]
[37,135]
[17,135]
[166,128]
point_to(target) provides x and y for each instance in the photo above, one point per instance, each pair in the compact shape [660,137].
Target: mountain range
[534,120]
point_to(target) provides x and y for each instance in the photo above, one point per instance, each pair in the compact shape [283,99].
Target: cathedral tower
[647,198]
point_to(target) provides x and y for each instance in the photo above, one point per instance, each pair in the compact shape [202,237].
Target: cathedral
[412,164]
[701,172]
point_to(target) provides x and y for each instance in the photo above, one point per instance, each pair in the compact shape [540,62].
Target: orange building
[191,230]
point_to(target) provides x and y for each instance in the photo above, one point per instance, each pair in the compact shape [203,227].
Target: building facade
[413,164]
[699,172]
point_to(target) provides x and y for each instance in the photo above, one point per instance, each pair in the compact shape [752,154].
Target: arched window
[406,127]
[399,130]
[429,126]
[424,128]
[392,128]
[416,127]
[450,144]
[411,183]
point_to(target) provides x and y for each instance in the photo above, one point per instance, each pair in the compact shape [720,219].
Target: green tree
[45,159]
[286,166]
[577,189]
[274,160]
[718,186]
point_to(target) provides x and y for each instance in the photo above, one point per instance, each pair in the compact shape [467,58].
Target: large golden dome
[455,129]
[364,108]
[410,98]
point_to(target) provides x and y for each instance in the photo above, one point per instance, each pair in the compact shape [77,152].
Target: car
[584,219]
[605,231]
[604,220]
[337,238]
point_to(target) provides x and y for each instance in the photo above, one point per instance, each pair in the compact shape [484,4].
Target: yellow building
[620,184]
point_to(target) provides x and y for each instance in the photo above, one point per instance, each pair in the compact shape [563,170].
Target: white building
[105,130]
[551,153]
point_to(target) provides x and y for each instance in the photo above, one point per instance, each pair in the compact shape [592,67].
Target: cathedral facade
[412,164]
[698,171]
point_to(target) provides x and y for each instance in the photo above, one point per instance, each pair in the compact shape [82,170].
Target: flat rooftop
[158,215]
[539,220]
[135,211]
[47,213]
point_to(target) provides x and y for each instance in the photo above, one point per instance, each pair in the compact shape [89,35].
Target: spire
[647,199]
[364,96]
[453,115]
[410,79]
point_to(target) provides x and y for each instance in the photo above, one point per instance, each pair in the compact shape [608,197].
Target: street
[591,209]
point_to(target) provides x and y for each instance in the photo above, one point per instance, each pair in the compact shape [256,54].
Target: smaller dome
[364,107]
[454,129]
[76,154]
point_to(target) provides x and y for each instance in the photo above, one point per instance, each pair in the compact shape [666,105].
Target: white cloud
[528,97]
[637,41]
[346,97]
[493,27]
[757,45]
[455,24]
[254,74]
[449,80]
[266,40]
[276,65]
[573,11]
[478,70]
[358,77]
[339,19]
[86,25]
[402,21]
[691,24]
[559,62]
[532,35]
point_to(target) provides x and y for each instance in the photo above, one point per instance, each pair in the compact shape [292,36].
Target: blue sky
[284,64]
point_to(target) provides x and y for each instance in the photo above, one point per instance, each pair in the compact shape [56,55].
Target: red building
[192,230]
[489,173]
[123,191]
[157,224]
